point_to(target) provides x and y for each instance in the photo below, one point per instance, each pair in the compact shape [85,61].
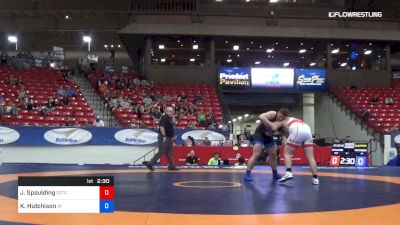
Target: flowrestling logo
[68,136]
[136,136]
[8,135]
[355,14]
[200,135]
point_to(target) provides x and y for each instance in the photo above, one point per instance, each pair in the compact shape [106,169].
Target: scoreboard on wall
[349,154]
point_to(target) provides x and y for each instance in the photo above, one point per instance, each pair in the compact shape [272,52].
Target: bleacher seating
[382,117]
[210,101]
[40,85]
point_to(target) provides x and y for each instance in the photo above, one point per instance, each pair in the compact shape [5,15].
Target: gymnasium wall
[182,74]
[360,78]
[332,122]
[73,154]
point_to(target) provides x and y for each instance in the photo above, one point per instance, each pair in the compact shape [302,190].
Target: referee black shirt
[168,125]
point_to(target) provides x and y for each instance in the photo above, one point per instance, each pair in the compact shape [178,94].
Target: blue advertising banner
[234,76]
[70,136]
[312,80]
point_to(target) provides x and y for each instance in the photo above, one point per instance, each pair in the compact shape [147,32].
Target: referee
[166,137]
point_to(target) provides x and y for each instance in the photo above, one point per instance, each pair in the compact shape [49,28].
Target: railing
[143,158]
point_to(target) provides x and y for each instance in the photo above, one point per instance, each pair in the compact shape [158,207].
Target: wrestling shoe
[276,177]
[286,177]
[315,181]
[248,177]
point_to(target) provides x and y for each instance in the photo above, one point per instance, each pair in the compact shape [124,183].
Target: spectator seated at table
[189,141]
[192,159]
[241,162]
[214,160]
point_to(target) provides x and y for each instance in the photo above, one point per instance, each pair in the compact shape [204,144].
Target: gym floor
[196,196]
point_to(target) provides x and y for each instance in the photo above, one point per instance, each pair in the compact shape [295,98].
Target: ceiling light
[66,17]
[229,121]
[239,118]
[258,121]
[87,39]
[218,0]
[287,47]
[286,64]
[313,64]
[343,64]
[234,120]
[260,46]
[226,42]
[335,51]
[163,60]
[353,68]
[236,47]
[269,50]
[194,41]
[12,39]
[112,46]
[229,60]
[192,60]
[257,62]
[238,55]
[276,43]
[248,49]
[370,43]
[195,46]
[179,41]
[161,46]
[246,115]
[105,46]
[119,46]
[302,51]
[367,52]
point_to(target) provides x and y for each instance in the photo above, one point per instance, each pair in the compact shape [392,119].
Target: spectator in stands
[45,110]
[1,97]
[60,91]
[147,100]
[68,121]
[113,103]
[192,109]
[2,107]
[143,93]
[21,94]
[365,115]
[103,86]
[11,80]
[54,102]
[152,85]
[214,161]
[395,127]
[10,108]
[192,159]
[76,124]
[181,109]
[241,162]
[201,119]
[192,126]
[31,104]
[243,141]
[167,98]
[206,142]
[389,100]
[132,125]
[136,81]
[141,124]
[197,98]
[247,134]
[158,96]
[70,92]
[124,102]
[19,81]
[22,104]
[65,100]
[189,141]
[121,85]
[144,83]
[375,100]
[155,113]
[182,97]
[98,122]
